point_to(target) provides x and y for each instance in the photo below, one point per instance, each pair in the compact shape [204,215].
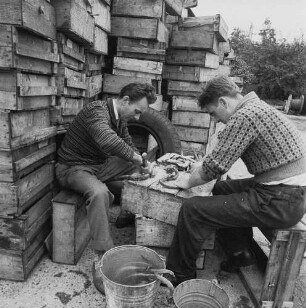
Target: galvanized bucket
[200,293]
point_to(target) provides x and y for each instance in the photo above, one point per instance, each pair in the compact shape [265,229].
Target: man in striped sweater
[97,148]
[272,150]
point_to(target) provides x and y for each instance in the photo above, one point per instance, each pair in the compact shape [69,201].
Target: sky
[288,17]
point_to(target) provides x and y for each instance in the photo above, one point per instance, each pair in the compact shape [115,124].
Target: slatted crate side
[192,134]
[25,51]
[15,164]
[190,148]
[73,19]
[71,53]
[175,7]
[37,16]
[101,12]
[23,91]
[186,103]
[190,4]
[17,197]
[18,232]
[100,43]
[140,28]
[94,85]
[70,83]
[17,264]
[191,119]
[184,88]
[94,63]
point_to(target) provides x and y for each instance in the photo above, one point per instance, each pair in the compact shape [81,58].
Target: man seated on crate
[98,148]
[272,149]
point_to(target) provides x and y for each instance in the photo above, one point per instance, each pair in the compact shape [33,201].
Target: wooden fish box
[94,85]
[190,148]
[18,232]
[17,197]
[100,42]
[140,28]
[22,128]
[190,4]
[187,57]
[141,49]
[34,15]
[184,88]
[101,12]
[174,7]
[185,103]
[113,84]
[193,134]
[26,51]
[73,19]
[70,83]
[191,118]
[16,164]
[18,264]
[137,68]
[140,8]
[198,40]
[23,91]
[93,63]
[154,233]
[214,24]
[71,232]
[72,54]
[150,199]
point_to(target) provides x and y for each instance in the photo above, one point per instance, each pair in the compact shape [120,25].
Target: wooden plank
[192,58]
[185,103]
[141,46]
[35,15]
[190,119]
[183,88]
[192,134]
[100,44]
[189,148]
[203,40]
[140,8]
[73,19]
[190,4]
[94,85]
[136,74]
[141,28]
[34,53]
[175,7]
[70,106]
[37,91]
[94,63]
[113,84]
[214,24]
[101,12]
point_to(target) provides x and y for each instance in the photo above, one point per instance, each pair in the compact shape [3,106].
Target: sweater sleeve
[237,136]
[105,138]
[127,137]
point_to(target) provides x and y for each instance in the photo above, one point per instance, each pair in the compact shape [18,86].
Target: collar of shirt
[115,110]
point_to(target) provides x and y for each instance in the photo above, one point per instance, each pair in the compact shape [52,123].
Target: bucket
[126,286]
[200,293]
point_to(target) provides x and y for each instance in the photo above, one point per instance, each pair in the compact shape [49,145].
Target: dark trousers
[234,208]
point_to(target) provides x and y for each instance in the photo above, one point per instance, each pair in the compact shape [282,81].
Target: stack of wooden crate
[83,28]
[192,59]
[28,64]
[141,39]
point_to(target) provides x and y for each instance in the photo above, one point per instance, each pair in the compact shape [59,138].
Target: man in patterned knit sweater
[96,149]
[272,150]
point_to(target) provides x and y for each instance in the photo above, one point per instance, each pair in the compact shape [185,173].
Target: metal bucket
[115,262]
[200,293]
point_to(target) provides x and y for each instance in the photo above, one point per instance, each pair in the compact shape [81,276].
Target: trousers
[235,207]
[89,180]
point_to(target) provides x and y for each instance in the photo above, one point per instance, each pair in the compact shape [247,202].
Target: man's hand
[196,165]
[137,159]
[183,181]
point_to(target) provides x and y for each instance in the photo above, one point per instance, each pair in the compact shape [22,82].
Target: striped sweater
[94,135]
[268,143]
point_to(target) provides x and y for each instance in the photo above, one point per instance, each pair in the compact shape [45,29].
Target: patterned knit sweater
[94,135]
[270,146]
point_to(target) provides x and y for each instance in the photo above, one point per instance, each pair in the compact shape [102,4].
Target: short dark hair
[215,88]
[137,91]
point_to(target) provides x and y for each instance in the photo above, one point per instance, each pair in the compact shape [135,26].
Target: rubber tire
[161,129]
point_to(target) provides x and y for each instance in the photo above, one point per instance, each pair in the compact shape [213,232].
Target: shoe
[124,220]
[245,258]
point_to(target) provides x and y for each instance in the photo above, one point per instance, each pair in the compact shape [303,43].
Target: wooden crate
[35,15]
[18,264]
[190,4]
[193,134]
[191,148]
[184,88]
[140,8]
[141,49]
[150,199]
[137,68]
[174,7]
[192,58]
[25,51]
[186,103]
[70,83]
[72,54]
[23,91]
[101,12]
[214,24]
[140,28]
[71,232]
[73,19]
[100,41]
[191,118]
[22,128]
[18,163]
[17,197]
[154,233]
[93,63]
[94,85]
[198,40]
[113,84]
[17,233]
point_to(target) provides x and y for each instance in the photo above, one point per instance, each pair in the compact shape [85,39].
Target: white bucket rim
[127,246]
